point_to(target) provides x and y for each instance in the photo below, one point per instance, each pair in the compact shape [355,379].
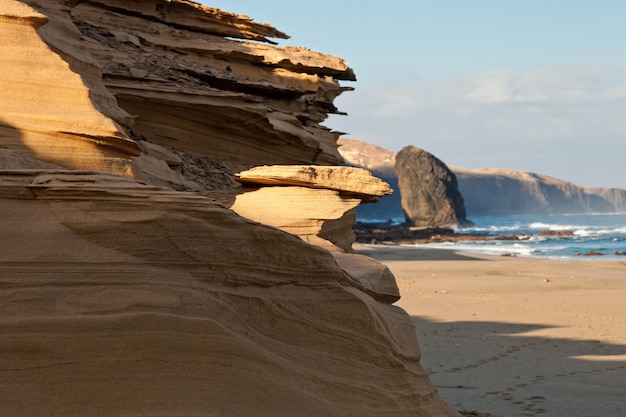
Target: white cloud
[553,85]
[550,102]
[546,120]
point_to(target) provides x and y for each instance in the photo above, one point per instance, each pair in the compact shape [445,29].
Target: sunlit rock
[54,105]
[122,298]
[315,203]
[129,287]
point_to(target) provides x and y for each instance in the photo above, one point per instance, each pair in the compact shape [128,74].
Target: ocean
[601,233]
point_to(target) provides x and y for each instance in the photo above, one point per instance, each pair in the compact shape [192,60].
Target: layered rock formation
[170,66]
[490,191]
[124,297]
[315,203]
[380,162]
[429,190]
[54,105]
[180,69]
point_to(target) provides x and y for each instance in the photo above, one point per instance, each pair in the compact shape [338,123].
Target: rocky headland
[501,192]
[140,275]
[489,191]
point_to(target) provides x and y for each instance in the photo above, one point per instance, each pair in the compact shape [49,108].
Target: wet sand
[517,336]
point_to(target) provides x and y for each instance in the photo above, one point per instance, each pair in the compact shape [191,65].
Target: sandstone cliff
[429,191]
[490,191]
[131,286]
[172,72]
[315,203]
[125,299]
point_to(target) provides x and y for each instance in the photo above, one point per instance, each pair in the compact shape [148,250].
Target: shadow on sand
[383,253]
[505,369]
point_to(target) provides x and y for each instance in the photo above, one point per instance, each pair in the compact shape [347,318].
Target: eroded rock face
[429,190]
[192,83]
[125,299]
[54,105]
[121,297]
[348,180]
[173,73]
[313,202]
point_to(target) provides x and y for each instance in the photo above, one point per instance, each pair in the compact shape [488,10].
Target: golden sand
[517,336]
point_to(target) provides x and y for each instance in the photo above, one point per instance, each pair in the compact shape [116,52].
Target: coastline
[516,336]
[558,236]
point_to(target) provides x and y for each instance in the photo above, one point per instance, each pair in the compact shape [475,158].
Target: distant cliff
[502,192]
[488,191]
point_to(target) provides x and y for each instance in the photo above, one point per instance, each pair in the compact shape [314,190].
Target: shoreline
[406,252]
[549,237]
[452,253]
[516,336]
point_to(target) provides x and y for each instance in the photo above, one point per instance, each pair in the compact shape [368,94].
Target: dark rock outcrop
[429,191]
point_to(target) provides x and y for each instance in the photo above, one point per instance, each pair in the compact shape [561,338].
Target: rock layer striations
[171,72]
[54,105]
[184,71]
[315,203]
[129,286]
[120,298]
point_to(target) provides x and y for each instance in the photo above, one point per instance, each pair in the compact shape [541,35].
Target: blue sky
[535,85]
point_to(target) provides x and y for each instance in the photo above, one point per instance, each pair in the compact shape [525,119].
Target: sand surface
[517,336]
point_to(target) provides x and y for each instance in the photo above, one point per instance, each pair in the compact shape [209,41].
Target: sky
[534,85]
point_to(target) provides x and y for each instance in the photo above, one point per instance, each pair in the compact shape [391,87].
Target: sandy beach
[517,336]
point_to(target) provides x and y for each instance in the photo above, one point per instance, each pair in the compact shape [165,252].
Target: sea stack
[429,191]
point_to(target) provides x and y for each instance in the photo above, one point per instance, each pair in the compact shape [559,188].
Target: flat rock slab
[344,179]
